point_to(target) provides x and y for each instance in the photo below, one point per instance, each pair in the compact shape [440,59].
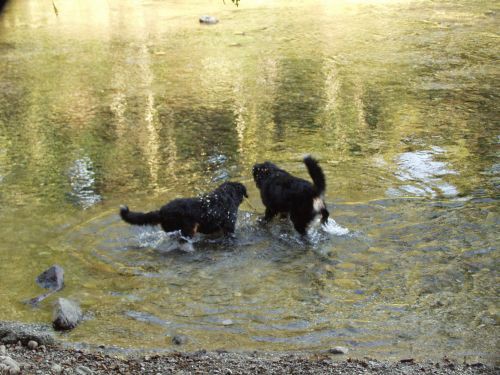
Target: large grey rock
[9,366]
[67,314]
[13,332]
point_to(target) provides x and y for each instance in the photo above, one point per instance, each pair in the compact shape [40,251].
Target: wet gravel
[33,349]
[59,360]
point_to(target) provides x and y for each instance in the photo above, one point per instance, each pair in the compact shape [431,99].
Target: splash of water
[331,227]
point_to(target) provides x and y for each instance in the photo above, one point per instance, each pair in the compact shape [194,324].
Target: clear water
[136,102]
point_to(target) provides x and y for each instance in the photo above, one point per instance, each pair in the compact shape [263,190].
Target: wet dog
[285,194]
[210,213]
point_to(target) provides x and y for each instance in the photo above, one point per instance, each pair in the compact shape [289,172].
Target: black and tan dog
[210,213]
[283,193]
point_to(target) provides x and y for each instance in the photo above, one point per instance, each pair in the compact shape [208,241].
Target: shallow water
[137,103]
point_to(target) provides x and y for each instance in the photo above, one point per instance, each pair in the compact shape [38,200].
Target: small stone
[407,360]
[56,369]
[227,322]
[8,366]
[209,20]
[228,371]
[338,350]
[3,350]
[32,344]
[179,339]
[83,370]
[147,358]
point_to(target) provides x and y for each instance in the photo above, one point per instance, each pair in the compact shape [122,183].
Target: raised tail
[139,218]
[316,174]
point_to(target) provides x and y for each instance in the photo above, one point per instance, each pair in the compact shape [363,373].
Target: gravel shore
[33,349]
[58,360]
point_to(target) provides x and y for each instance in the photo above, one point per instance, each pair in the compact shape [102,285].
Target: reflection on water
[426,174]
[82,183]
[137,103]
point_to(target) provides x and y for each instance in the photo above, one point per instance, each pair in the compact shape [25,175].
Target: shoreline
[35,350]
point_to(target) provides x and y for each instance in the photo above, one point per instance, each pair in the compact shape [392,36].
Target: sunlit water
[135,102]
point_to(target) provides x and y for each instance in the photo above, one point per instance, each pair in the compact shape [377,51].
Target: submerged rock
[208,20]
[67,314]
[179,339]
[53,278]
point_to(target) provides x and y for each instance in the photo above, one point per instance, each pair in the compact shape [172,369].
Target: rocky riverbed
[59,360]
[37,352]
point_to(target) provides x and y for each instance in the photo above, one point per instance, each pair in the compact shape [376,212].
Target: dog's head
[238,189]
[262,171]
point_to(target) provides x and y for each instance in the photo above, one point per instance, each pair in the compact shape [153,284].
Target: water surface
[137,103]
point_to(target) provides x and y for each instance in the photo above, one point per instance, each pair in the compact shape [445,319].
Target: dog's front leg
[188,231]
[269,215]
[229,228]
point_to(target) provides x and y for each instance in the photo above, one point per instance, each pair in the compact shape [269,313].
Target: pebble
[339,350]
[8,366]
[32,344]
[209,20]
[56,369]
[3,350]
[83,370]
[227,322]
[179,339]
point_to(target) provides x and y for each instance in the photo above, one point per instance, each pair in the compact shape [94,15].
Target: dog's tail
[139,218]
[316,174]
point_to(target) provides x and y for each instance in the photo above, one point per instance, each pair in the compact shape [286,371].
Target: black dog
[285,194]
[210,213]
